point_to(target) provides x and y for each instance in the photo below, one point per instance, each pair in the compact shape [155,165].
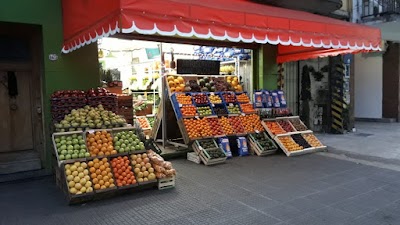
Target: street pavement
[310,189]
[372,141]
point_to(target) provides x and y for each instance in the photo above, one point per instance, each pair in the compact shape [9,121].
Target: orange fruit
[98,172]
[90,164]
[96,160]
[92,169]
[95,180]
[96,165]
[93,175]
[101,182]
[97,186]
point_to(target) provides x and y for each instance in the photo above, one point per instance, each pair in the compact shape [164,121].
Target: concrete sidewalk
[274,190]
[372,141]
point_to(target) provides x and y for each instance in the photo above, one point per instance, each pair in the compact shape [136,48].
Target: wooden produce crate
[166,183]
[290,118]
[145,122]
[317,148]
[206,159]
[197,147]
[285,119]
[55,135]
[291,153]
[193,157]
[264,123]
[258,149]
[73,198]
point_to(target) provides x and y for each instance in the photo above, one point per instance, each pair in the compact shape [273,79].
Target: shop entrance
[20,99]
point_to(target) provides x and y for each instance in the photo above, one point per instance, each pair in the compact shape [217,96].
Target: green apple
[70,147]
[68,156]
[61,157]
[74,156]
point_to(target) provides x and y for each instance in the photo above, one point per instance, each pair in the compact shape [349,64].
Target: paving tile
[354,208]
[332,195]
[283,212]
[363,185]
[251,219]
[305,205]
[332,216]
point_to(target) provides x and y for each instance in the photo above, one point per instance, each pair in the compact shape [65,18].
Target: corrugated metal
[291,87]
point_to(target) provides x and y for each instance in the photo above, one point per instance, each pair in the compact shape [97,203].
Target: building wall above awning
[300,35]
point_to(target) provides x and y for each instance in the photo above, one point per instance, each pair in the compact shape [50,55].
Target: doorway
[21,123]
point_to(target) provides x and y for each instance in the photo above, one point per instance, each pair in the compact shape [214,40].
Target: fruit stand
[102,155]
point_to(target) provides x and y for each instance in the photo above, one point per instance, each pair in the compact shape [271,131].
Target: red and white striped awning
[300,35]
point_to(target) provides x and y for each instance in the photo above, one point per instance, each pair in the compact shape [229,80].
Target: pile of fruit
[143,169]
[193,127]
[151,121]
[101,175]
[222,85]
[100,143]
[78,178]
[144,124]
[234,82]
[204,111]
[236,124]
[127,141]
[215,99]
[62,102]
[298,138]
[264,141]
[297,124]
[192,86]
[226,126]
[163,168]
[233,109]
[247,108]
[251,123]
[215,153]
[275,128]
[188,110]
[89,117]
[220,110]
[200,99]
[184,99]
[123,171]
[243,98]
[215,126]
[312,140]
[176,84]
[289,143]
[70,147]
[207,144]
[227,69]
[229,97]
[286,125]
[101,96]
[207,84]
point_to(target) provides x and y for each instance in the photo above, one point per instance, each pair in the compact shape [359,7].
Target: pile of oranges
[247,108]
[101,175]
[184,99]
[275,128]
[243,98]
[251,123]
[290,144]
[100,143]
[188,110]
[226,125]
[123,171]
[176,84]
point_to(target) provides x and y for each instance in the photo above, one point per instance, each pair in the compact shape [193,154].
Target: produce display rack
[263,122]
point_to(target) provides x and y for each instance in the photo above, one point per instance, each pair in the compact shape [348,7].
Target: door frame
[35,66]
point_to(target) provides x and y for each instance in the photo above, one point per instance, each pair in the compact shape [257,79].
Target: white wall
[368,86]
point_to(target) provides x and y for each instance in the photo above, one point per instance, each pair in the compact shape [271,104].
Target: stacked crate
[125,107]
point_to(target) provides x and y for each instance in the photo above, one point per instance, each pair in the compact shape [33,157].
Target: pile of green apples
[127,141]
[71,147]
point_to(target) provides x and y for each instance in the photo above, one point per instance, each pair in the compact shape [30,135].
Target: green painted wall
[267,67]
[77,70]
